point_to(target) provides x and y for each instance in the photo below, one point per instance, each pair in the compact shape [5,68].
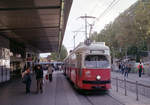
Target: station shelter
[28,28]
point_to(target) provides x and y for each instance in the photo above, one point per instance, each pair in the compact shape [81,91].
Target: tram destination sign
[97,51]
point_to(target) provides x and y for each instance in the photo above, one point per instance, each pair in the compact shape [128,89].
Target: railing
[135,87]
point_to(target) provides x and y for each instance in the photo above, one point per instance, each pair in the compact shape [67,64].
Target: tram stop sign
[87,42]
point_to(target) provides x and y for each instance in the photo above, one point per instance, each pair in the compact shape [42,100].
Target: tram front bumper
[96,85]
[96,82]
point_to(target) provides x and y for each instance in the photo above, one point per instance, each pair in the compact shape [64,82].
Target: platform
[57,92]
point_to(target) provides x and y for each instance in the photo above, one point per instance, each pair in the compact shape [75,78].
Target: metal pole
[74,40]
[90,33]
[125,87]
[137,94]
[85,26]
[116,84]
[85,17]
[75,34]
[126,52]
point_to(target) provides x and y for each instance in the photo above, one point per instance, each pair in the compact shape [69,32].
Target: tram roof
[93,46]
[38,24]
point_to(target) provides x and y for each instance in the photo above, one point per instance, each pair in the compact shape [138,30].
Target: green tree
[129,33]
[142,19]
[54,56]
[59,56]
[63,53]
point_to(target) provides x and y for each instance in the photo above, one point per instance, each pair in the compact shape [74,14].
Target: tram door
[79,66]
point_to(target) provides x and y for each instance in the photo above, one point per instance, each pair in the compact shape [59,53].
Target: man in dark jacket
[39,78]
[126,70]
[122,68]
[26,75]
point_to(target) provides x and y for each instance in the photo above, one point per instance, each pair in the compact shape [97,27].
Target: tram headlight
[98,77]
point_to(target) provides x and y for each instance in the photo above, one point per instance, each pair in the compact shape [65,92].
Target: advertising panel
[1,76]
[4,64]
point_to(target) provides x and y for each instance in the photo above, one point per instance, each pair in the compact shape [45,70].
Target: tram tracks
[115,99]
[102,99]
[87,98]
[90,98]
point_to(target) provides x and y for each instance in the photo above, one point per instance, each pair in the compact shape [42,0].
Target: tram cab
[89,66]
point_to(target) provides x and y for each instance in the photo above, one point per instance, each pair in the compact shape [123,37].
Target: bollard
[116,84]
[137,94]
[125,87]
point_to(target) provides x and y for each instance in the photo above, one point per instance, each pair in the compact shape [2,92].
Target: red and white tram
[89,66]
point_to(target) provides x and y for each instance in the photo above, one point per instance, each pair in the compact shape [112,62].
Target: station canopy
[38,24]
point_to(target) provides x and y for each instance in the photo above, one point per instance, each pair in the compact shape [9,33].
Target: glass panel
[96,61]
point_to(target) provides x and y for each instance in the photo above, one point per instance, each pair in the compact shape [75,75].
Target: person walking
[122,68]
[26,75]
[50,72]
[140,68]
[129,68]
[119,66]
[39,78]
[126,70]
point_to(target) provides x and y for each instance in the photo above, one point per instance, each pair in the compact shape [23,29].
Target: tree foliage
[59,56]
[129,33]
[63,53]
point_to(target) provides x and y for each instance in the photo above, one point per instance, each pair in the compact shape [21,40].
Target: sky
[43,55]
[91,8]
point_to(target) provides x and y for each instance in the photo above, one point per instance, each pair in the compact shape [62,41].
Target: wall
[4,60]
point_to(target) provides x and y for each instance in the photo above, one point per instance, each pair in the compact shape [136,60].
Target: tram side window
[96,61]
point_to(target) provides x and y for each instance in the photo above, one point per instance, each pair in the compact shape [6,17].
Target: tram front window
[96,61]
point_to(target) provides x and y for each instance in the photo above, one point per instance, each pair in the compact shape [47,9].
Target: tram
[89,66]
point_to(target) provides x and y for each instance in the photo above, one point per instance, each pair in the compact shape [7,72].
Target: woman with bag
[50,71]
[26,78]
[140,69]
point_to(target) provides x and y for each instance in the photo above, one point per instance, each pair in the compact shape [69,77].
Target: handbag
[46,76]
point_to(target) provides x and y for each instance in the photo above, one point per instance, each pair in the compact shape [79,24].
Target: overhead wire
[103,13]
[107,10]
[94,9]
[113,6]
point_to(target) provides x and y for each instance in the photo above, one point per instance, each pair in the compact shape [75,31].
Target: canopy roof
[38,24]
